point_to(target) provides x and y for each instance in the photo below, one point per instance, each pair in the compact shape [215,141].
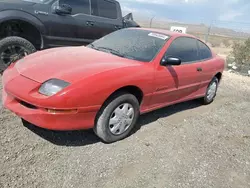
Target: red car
[109,83]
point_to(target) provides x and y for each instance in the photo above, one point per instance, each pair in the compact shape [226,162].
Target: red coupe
[109,83]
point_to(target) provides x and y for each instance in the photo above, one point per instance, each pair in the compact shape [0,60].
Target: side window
[205,52]
[184,48]
[104,8]
[78,6]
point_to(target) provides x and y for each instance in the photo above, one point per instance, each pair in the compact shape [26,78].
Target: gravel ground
[185,145]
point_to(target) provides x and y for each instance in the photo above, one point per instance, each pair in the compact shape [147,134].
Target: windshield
[38,1]
[137,44]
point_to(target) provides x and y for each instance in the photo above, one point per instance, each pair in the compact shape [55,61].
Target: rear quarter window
[205,52]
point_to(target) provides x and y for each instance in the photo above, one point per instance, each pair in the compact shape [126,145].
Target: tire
[24,44]
[208,100]
[102,125]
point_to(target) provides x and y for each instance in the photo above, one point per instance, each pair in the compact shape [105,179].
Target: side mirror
[63,9]
[170,61]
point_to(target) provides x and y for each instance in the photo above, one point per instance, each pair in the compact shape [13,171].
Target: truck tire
[12,49]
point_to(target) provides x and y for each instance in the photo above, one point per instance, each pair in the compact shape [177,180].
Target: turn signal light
[55,111]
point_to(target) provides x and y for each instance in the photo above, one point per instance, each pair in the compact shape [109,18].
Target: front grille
[28,105]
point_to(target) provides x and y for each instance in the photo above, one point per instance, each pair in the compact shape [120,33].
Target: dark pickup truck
[30,25]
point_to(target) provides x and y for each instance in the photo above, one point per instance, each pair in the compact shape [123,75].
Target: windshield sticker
[157,35]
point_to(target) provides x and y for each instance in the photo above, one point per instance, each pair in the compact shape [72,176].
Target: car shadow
[153,116]
[65,138]
[88,137]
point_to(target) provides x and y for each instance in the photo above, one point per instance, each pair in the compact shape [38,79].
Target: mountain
[193,28]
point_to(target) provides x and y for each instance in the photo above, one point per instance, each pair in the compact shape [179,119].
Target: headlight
[52,87]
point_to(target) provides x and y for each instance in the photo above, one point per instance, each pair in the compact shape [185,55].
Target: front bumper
[17,97]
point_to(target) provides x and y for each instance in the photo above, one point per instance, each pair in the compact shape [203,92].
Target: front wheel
[211,91]
[13,49]
[117,117]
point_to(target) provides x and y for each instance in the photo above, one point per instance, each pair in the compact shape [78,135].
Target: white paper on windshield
[157,35]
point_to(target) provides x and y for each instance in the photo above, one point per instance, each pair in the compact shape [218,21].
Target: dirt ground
[185,145]
[224,52]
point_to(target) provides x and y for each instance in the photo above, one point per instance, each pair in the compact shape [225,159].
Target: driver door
[70,29]
[177,83]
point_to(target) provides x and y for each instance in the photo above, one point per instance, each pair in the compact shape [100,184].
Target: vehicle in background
[30,25]
[110,82]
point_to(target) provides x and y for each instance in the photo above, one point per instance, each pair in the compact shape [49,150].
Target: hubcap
[13,53]
[211,91]
[121,119]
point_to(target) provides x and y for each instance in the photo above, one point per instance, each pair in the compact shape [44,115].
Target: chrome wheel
[121,119]
[211,91]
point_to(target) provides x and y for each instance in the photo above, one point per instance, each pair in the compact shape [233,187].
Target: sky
[219,12]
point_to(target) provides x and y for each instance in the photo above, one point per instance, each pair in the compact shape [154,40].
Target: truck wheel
[117,117]
[12,49]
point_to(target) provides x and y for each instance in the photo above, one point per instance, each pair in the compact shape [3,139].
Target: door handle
[89,23]
[117,27]
[199,69]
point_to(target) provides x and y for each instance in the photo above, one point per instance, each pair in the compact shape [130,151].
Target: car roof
[166,32]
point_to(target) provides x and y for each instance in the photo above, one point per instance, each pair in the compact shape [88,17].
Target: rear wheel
[13,49]
[211,91]
[117,117]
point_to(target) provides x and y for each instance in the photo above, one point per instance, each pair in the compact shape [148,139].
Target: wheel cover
[121,119]
[211,91]
[13,53]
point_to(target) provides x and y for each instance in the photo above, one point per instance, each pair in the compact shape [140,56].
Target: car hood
[69,64]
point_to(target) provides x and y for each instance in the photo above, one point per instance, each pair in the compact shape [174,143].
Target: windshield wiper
[92,45]
[110,50]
